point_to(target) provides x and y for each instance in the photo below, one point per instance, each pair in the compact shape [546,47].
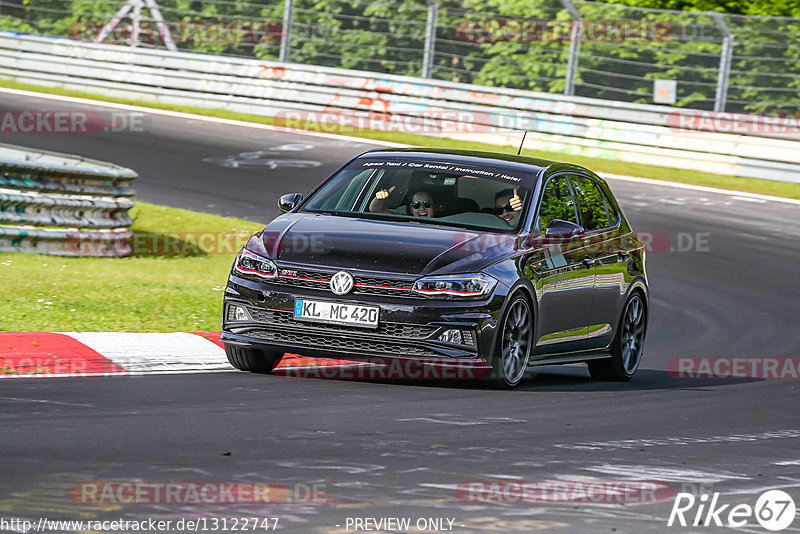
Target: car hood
[383,246]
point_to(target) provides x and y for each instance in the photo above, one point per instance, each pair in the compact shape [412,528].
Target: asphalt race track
[723,281]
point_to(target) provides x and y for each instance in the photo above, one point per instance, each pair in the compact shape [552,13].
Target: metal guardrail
[709,60]
[52,203]
[48,210]
[600,128]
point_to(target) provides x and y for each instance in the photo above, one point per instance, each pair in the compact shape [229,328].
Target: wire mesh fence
[685,47]
[700,60]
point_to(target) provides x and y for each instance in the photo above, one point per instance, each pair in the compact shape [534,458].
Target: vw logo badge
[342,283]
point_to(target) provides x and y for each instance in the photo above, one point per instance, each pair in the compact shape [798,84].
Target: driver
[508,206]
[421,205]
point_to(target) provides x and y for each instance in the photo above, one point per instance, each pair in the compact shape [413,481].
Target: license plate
[336,312]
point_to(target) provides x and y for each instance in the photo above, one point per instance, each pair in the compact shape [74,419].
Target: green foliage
[12,24]
[495,42]
[140,293]
[775,8]
[379,36]
[485,42]
[765,71]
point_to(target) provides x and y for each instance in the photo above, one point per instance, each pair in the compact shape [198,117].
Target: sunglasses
[416,204]
[500,210]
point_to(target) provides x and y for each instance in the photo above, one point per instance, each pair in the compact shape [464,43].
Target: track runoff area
[159,429]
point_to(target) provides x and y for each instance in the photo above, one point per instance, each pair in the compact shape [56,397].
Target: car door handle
[588,262]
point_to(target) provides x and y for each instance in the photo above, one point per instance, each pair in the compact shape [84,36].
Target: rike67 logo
[774,510]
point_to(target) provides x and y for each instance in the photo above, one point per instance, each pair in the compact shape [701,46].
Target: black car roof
[474,157]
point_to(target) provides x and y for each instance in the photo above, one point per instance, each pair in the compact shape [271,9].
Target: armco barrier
[598,128]
[64,205]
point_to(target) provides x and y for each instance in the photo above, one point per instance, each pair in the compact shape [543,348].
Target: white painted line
[791,433]
[751,236]
[443,421]
[326,365]
[119,374]
[245,124]
[742,195]
[60,403]
[666,474]
[157,352]
[193,116]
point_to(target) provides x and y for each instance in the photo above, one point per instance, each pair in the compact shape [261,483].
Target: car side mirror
[558,229]
[288,202]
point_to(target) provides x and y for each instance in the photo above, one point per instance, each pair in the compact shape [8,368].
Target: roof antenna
[522,142]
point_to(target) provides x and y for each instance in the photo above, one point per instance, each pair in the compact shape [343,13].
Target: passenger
[508,206]
[421,205]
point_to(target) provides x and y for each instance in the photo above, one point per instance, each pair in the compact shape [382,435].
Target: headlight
[457,286]
[250,263]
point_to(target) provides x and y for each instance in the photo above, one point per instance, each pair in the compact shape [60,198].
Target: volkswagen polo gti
[484,262]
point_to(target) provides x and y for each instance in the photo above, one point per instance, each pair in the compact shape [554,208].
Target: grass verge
[146,292]
[752,185]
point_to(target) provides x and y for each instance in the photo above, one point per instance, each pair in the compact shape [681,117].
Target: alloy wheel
[632,338]
[516,344]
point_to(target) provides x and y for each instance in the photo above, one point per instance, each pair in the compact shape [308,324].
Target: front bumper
[408,327]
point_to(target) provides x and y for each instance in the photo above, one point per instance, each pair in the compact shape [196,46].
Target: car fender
[525,287]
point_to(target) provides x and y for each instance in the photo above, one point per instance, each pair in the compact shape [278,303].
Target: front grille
[300,283]
[286,318]
[382,286]
[364,285]
[325,342]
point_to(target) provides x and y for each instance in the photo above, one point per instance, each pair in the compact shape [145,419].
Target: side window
[613,214]
[556,203]
[591,203]
[342,194]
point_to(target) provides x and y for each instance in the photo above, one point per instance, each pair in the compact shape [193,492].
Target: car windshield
[447,193]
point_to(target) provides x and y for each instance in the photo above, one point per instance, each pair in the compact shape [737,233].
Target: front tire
[253,360]
[628,345]
[513,346]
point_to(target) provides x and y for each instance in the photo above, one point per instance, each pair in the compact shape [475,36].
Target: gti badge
[342,283]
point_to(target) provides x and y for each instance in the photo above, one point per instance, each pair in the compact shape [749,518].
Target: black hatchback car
[458,259]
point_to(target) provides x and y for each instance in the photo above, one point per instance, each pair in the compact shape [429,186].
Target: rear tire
[253,360]
[628,344]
